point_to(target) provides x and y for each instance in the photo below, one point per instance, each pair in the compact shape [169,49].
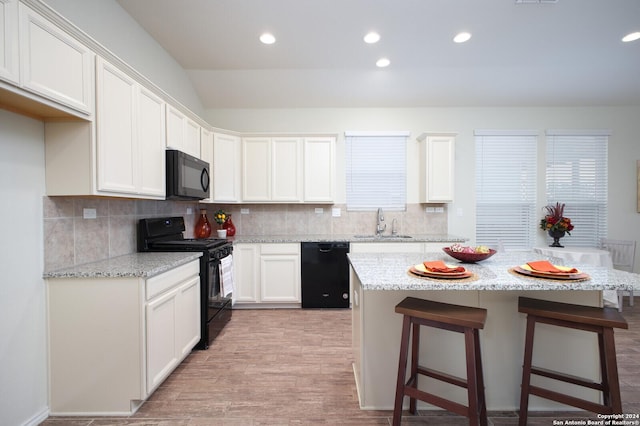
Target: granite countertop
[143,265]
[415,238]
[389,271]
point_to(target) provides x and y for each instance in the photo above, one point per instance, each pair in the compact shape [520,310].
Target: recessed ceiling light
[462,37]
[383,62]
[631,37]
[372,37]
[267,38]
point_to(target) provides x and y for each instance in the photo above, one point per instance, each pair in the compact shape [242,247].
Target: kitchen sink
[384,237]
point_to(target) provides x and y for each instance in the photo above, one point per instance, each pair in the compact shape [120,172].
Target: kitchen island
[380,281]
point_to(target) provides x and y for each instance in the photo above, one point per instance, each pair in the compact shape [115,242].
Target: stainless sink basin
[383,237]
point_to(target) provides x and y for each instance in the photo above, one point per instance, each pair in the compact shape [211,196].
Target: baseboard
[37,418]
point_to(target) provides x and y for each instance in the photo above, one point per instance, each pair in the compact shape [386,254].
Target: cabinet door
[182,133]
[206,154]
[161,344]
[256,169]
[286,169]
[151,150]
[53,64]
[319,170]
[245,273]
[175,131]
[117,150]
[280,273]
[9,41]
[188,317]
[191,137]
[437,169]
[226,168]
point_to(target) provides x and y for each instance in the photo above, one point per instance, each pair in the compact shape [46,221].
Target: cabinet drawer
[286,248]
[163,282]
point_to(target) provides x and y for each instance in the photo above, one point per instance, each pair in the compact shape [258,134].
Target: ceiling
[567,53]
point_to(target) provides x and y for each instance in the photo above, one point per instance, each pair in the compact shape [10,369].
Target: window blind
[506,189]
[376,171]
[577,175]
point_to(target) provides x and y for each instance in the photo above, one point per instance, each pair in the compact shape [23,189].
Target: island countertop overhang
[390,271]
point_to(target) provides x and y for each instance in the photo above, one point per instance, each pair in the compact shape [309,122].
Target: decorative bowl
[469,257]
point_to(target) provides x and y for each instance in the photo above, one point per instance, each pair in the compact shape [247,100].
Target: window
[376,170]
[577,175]
[506,188]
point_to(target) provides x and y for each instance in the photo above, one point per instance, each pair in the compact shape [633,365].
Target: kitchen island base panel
[376,337]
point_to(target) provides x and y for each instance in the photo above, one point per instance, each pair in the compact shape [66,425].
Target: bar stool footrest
[443,377]
[570,400]
[432,399]
[567,378]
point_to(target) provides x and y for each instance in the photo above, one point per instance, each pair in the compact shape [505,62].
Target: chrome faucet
[380,227]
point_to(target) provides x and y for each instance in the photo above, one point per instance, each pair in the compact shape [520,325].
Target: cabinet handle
[204,179]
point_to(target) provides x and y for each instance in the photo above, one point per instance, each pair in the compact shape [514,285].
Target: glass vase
[229,226]
[203,227]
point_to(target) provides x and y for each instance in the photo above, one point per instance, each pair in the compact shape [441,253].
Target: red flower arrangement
[555,221]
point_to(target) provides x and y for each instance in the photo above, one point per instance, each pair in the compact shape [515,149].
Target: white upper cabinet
[151,146]
[9,70]
[53,64]
[319,169]
[286,169]
[130,135]
[272,169]
[437,159]
[256,169]
[226,165]
[116,132]
[183,133]
[206,154]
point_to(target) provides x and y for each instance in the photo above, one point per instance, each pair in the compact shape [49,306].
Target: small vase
[203,227]
[556,235]
[222,233]
[229,226]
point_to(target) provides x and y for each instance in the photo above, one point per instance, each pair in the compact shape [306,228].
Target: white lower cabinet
[280,273]
[267,274]
[112,341]
[245,273]
[172,330]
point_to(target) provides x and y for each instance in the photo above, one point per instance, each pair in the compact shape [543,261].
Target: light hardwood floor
[293,367]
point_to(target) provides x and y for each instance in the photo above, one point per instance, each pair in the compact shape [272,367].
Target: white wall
[115,29]
[23,354]
[624,146]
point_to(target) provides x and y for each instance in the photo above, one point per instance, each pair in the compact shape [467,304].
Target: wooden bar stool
[461,319]
[586,318]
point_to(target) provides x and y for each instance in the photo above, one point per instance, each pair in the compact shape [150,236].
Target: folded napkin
[546,266]
[440,266]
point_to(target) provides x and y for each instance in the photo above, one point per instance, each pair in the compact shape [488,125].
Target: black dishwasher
[325,274]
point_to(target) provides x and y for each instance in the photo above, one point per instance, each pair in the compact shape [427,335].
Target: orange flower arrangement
[555,221]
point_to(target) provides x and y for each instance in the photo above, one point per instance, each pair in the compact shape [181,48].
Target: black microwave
[187,176]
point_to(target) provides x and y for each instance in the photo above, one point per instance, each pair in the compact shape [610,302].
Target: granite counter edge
[135,265]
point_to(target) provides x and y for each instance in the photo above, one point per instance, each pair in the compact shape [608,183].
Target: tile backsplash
[70,239]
